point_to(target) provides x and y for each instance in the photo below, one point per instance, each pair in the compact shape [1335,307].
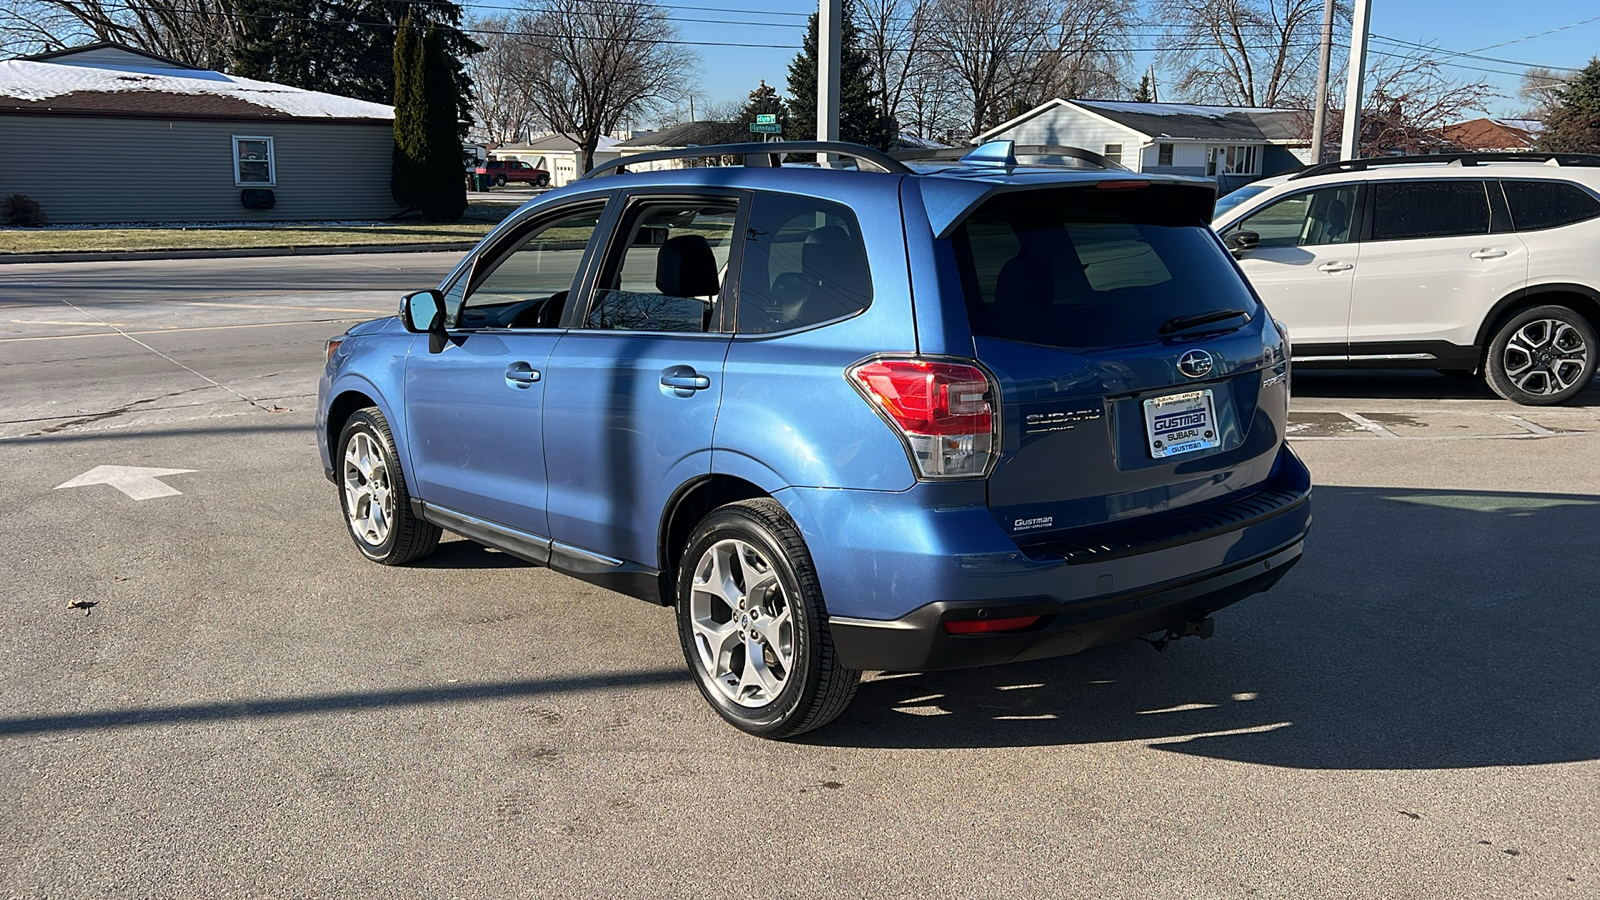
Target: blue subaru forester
[864,414]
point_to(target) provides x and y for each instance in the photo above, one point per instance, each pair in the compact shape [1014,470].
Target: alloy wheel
[742,623]
[1545,356]
[368,496]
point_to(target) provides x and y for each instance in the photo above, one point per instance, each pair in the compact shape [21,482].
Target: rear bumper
[895,567]
[919,642]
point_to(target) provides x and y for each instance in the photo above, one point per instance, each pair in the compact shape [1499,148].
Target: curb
[321,250]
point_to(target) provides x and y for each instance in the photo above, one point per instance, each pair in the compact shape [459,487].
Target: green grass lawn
[90,240]
[480,218]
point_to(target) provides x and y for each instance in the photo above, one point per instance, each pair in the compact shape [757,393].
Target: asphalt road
[249,709]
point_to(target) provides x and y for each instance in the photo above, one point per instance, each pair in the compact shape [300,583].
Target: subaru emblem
[1195,364]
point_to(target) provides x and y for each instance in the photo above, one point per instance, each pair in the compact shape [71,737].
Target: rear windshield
[1087,268]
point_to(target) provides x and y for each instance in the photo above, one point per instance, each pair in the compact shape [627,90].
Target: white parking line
[1369,425]
[1520,422]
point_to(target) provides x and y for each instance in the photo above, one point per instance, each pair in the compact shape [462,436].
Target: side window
[252,161]
[526,285]
[1421,209]
[804,263]
[1548,204]
[1314,217]
[664,273]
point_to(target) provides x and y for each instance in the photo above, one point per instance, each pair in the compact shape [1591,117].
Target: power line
[1539,35]
[1454,54]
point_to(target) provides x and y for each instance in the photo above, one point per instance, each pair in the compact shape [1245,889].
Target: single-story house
[1234,145]
[1479,135]
[557,154]
[107,133]
[678,137]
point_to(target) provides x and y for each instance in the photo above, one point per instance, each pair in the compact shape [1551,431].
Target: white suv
[1473,263]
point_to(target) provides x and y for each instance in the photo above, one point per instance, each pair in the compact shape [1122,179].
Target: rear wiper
[1184,323]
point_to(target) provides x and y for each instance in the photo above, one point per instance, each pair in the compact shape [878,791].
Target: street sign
[767,119]
[766,128]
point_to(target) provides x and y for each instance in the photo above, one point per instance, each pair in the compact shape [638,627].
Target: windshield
[1229,201]
[1088,268]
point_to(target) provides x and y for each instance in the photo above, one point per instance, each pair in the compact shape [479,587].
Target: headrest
[832,257]
[685,267]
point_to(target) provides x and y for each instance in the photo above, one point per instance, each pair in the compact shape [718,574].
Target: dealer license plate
[1180,423]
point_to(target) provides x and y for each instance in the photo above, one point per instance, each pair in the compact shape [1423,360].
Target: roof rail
[762,155]
[1453,159]
[1004,153]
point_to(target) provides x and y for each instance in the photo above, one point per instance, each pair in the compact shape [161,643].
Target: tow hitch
[1201,628]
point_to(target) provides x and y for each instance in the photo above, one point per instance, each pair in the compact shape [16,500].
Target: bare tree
[1409,101]
[198,32]
[594,63]
[894,36]
[932,106]
[1541,90]
[1244,52]
[500,105]
[1008,57]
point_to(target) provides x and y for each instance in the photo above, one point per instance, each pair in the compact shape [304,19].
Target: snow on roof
[119,88]
[1173,109]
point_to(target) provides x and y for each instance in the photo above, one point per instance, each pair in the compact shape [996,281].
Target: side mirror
[423,312]
[1241,242]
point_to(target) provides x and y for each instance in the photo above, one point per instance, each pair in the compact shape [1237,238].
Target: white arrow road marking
[138,482]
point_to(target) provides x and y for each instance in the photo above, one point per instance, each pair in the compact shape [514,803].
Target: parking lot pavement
[208,693]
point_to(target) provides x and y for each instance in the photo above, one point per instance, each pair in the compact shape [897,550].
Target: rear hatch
[1129,353]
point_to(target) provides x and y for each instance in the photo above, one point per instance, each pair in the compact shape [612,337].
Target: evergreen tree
[1142,95]
[345,46]
[443,192]
[859,118]
[764,101]
[1573,123]
[410,118]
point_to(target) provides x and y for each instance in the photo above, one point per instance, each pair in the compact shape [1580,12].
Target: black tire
[816,688]
[544,181]
[407,538]
[1536,352]
[499,181]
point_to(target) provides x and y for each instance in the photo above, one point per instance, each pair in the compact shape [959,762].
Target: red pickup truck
[501,171]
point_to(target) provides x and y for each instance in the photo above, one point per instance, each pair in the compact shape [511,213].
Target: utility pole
[1319,119]
[1350,147]
[830,35]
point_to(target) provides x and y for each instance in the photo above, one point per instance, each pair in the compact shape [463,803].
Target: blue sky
[1456,25]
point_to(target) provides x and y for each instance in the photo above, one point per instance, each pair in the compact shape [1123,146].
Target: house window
[1114,153]
[1240,160]
[1163,154]
[252,161]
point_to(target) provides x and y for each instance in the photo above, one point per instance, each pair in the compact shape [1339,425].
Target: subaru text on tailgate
[866,415]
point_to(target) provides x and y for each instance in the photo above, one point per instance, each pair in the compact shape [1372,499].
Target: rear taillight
[944,411]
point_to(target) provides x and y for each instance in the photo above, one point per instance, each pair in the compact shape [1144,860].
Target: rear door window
[1087,268]
[1548,204]
[1405,210]
[665,273]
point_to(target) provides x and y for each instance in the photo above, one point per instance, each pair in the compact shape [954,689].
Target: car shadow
[465,554]
[1403,384]
[1424,629]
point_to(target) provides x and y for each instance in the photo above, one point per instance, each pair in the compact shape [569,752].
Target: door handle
[1336,267]
[1494,253]
[684,378]
[521,375]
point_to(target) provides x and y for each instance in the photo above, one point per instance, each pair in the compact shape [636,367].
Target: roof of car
[1565,167]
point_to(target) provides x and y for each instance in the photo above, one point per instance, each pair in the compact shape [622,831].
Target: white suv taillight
[944,411]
